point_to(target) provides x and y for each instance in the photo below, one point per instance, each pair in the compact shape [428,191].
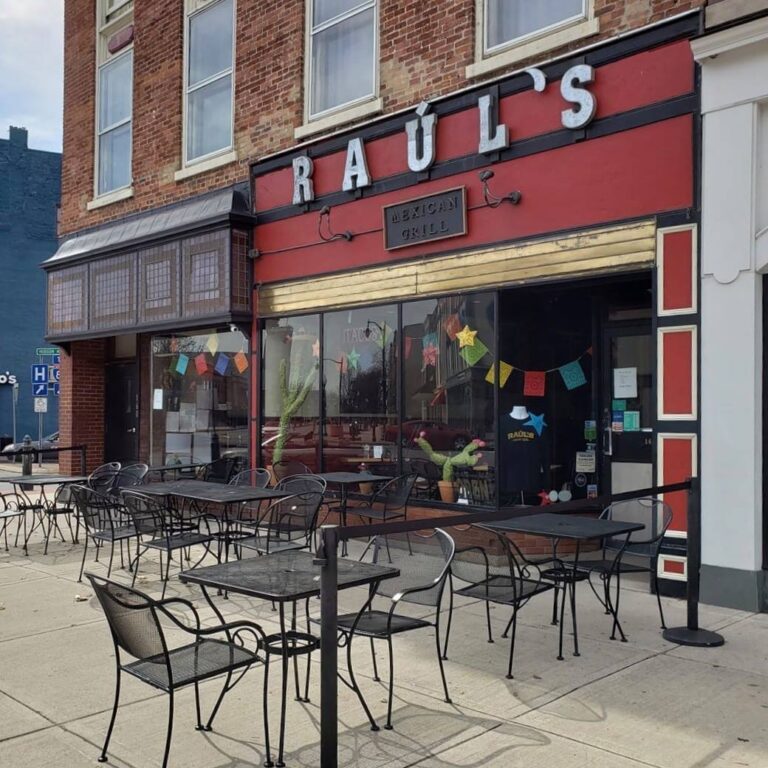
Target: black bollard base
[700,638]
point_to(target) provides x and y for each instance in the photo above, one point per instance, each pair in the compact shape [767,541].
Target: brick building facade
[180,201]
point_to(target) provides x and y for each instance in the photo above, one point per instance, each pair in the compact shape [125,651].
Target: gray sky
[31,69]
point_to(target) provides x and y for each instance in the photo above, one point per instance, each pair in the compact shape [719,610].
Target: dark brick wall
[30,183]
[423,55]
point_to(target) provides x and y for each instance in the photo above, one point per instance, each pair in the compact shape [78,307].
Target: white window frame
[191,9]
[350,109]
[106,28]
[510,52]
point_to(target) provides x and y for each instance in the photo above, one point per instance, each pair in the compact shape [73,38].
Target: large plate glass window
[200,385]
[114,123]
[360,376]
[291,392]
[448,407]
[210,42]
[509,21]
[342,53]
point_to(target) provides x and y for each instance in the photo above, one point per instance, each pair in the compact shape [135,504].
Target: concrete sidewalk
[618,705]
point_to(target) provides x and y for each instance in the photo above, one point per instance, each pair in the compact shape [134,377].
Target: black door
[628,406]
[121,413]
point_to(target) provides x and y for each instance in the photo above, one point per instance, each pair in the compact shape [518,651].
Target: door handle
[132,430]
[607,442]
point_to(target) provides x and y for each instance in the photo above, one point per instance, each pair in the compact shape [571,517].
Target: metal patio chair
[290,522]
[104,523]
[129,477]
[497,573]
[220,470]
[165,529]
[10,510]
[137,624]
[252,478]
[388,502]
[103,477]
[61,507]
[288,468]
[424,565]
[427,476]
[639,554]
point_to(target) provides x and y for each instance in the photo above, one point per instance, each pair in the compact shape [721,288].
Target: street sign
[56,359]
[56,389]
[47,351]
[40,373]
[41,405]
[40,390]
[53,374]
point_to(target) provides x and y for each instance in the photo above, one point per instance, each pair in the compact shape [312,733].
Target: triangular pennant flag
[505,371]
[429,340]
[535,383]
[429,356]
[573,375]
[212,344]
[181,364]
[475,353]
[452,326]
[222,365]
[241,362]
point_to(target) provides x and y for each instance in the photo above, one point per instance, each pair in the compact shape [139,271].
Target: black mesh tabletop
[555,526]
[214,493]
[283,576]
[352,478]
[45,479]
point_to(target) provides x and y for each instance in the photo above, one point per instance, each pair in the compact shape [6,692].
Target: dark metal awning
[230,205]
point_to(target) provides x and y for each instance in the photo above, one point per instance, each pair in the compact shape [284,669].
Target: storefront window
[360,376]
[291,391]
[449,414]
[200,385]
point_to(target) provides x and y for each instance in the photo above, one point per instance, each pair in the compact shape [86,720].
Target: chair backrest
[133,620]
[130,476]
[395,494]
[423,562]
[305,483]
[147,513]
[93,508]
[9,502]
[288,468]
[655,517]
[103,477]
[220,470]
[295,517]
[253,478]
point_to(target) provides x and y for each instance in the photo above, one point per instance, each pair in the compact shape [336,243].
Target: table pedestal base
[699,638]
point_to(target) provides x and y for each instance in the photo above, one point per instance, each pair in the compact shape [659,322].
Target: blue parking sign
[40,374]
[40,389]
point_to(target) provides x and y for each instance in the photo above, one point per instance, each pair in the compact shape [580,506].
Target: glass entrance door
[121,416]
[628,407]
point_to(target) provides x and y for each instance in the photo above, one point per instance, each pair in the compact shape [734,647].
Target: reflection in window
[448,400]
[360,377]
[509,20]
[114,124]
[291,391]
[200,387]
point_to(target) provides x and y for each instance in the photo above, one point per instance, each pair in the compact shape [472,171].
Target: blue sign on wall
[40,390]
[40,374]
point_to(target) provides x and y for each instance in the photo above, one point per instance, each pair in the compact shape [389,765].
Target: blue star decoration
[537,422]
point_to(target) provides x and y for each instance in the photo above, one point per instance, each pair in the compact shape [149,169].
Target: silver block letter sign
[303,188]
[421,154]
[488,118]
[356,168]
[586,102]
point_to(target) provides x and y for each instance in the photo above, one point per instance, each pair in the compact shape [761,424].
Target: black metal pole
[691,634]
[329,735]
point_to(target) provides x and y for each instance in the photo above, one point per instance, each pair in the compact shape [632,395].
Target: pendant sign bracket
[425,219]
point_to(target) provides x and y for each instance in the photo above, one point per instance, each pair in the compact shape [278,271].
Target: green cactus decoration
[467,457]
[291,399]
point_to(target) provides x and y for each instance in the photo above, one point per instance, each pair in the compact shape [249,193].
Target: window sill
[109,198]
[533,48]
[357,112]
[206,165]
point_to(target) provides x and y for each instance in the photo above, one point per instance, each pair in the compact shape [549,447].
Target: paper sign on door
[625,383]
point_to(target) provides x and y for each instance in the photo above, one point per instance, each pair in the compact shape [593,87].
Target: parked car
[440,436]
[51,441]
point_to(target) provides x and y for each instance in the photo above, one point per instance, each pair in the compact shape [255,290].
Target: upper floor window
[510,21]
[114,97]
[209,79]
[342,54]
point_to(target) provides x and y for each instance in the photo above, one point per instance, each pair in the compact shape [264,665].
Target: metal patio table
[38,507]
[344,480]
[571,528]
[202,492]
[283,577]
[175,468]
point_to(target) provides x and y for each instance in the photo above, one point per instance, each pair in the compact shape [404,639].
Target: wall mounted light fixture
[493,201]
[330,236]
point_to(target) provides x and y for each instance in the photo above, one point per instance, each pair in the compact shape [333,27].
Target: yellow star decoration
[466,337]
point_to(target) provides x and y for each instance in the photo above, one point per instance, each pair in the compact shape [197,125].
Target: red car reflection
[440,436]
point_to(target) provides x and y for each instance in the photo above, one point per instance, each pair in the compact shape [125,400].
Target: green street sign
[47,351]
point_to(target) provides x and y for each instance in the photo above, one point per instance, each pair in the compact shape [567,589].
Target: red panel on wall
[678,268]
[674,566]
[677,359]
[677,467]
[630,174]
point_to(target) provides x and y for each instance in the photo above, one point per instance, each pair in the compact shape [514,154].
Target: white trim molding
[662,373]
[730,39]
[209,164]
[359,111]
[109,198]
[671,575]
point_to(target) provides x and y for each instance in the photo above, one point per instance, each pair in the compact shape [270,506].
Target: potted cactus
[468,457]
